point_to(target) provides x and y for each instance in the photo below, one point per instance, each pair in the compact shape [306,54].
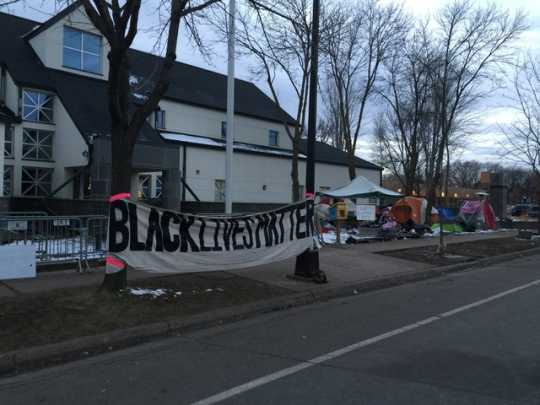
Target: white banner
[164,241]
[365,212]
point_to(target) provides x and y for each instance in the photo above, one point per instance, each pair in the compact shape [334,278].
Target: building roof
[325,153]
[7,116]
[85,98]
[190,84]
[213,143]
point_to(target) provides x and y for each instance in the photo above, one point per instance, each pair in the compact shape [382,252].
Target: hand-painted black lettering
[118,218]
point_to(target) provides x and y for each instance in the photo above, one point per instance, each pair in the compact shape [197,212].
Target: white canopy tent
[360,187]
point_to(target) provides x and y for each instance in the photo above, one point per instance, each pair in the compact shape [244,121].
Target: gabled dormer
[70,42]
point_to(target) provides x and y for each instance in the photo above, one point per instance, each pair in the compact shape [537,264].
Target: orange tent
[410,208]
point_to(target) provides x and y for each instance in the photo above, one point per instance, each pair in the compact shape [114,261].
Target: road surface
[471,337]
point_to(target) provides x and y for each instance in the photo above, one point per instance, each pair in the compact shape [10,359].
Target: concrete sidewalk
[348,264]
[352,264]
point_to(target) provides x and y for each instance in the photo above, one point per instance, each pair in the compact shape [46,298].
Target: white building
[54,125]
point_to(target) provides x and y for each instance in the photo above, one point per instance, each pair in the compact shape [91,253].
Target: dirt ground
[463,252]
[63,314]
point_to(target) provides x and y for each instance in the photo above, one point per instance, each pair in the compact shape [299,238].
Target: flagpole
[229,132]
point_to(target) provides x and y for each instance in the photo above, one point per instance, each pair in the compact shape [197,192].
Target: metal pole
[307,264]
[229,133]
[312,117]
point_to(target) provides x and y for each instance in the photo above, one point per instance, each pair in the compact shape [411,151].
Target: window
[273,138]
[36,181]
[8,180]
[8,143]
[158,187]
[160,119]
[220,190]
[82,50]
[37,144]
[145,185]
[224,129]
[37,106]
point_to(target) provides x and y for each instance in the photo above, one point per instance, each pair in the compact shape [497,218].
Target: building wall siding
[68,144]
[200,121]
[251,172]
[49,43]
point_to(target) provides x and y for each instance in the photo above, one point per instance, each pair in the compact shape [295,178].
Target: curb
[40,356]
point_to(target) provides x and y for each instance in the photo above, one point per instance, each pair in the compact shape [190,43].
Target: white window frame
[159,186]
[9,143]
[83,52]
[40,102]
[37,186]
[219,190]
[160,117]
[42,143]
[8,180]
[223,129]
[145,181]
[271,134]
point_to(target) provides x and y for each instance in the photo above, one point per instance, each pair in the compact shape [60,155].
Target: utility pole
[229,130]
[307,264]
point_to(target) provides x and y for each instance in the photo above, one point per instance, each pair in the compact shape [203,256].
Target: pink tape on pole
[114,265]
[309,196]
[120,196]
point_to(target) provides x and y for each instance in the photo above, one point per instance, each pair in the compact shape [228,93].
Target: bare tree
[473,42]
[329,128]
[465,173]
[358,39]
[275,35]
[522,137]
[118,23]
[405,123]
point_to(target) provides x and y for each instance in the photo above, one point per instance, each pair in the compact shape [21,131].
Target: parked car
[531,210]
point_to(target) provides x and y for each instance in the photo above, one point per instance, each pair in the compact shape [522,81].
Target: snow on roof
[239,146]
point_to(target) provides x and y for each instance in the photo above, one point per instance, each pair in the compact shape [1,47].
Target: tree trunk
[121,170]
[352,166]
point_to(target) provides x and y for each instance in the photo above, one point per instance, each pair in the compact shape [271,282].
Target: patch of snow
[133,80]
[64,249]
[140,97]
[330,238]
[199,140]
[154,292]
[239,146]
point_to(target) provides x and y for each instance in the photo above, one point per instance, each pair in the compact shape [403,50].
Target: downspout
[184,168]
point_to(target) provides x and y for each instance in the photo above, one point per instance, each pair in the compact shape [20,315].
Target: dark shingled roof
[7,116]
[86,98]
[190,84]
[325,153]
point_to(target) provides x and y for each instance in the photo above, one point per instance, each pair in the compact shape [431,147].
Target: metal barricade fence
[58,239]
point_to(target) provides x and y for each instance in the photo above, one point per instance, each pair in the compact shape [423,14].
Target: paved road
[472,337]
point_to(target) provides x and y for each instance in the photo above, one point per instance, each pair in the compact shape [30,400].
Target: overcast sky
[482,145]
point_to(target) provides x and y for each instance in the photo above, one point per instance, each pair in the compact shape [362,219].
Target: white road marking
[355,346]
